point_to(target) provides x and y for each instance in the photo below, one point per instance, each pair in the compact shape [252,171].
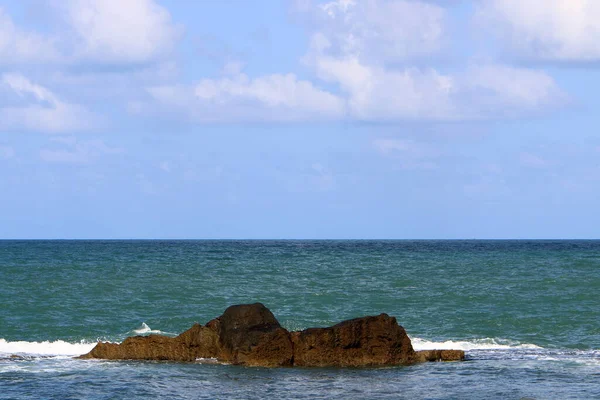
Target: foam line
[473,344]
[46,348]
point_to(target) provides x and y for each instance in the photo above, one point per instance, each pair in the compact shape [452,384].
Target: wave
[144,329]
[483,348]
[46,348]
[210,360]
[62,348]
[506,349]
[473,344]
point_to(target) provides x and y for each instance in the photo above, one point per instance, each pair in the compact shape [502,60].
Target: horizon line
[283,239]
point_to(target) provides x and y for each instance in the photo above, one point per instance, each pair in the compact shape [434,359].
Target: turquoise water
[526,312]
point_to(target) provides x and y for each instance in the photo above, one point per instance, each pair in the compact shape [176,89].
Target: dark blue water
[526,312]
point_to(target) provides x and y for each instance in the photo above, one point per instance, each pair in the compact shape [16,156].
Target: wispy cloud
[273,97]
[76,151]
[379,30]
[408,153]
[21,46]
[39,109]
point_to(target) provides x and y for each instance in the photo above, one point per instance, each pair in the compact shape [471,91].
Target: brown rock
[439,355]
[250,335]
[196,342]
[367,341]
[246,334]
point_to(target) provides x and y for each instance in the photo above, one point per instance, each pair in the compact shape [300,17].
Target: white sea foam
[46,348]
[145,329]
[210,360]
[473,344]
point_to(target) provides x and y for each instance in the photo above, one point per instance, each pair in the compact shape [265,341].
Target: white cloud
[519,85]
[42,110]
[356,44]
[105,31]
[22,86]
[6,152]
[18,45]
[176,96]
[284,92]
[132,31]
[504,91]
[380,30]
[362,54]
[276,97]
[369,94]
[363,48]
[363,51]
[376,93]
[547,30]
[77,152]
[482,91]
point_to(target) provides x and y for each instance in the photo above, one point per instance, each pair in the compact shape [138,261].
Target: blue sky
[299,119]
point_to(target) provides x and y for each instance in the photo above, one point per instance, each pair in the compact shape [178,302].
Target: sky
[283,119]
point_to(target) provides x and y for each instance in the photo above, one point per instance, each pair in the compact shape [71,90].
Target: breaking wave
[473,344]
[45,348]
[144,329]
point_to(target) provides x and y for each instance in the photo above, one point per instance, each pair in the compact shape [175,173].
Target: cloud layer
[545,30]
[369,57]
[372,60]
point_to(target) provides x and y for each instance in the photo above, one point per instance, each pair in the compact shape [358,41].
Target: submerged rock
[249,334]
[439,355]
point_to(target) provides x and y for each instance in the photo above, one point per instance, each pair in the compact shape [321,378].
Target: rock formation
[357,342]
[250,335]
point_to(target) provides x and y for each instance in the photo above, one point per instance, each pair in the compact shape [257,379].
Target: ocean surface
[527,313]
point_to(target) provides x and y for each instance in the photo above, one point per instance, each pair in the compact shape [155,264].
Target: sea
[526,312]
